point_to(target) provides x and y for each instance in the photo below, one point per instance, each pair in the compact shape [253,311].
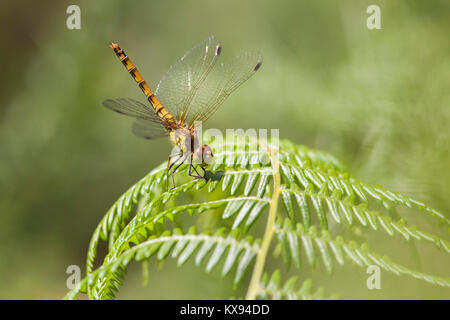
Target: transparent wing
[146,129]
[147,124]
[131,108]
[221,82]
[180,84]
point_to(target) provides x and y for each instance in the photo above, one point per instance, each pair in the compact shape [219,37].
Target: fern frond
[295,239]
[272,288]
[234,251]
[316,192]
[345,211]
[111,224]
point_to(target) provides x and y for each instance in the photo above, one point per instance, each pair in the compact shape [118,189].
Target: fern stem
[270,229]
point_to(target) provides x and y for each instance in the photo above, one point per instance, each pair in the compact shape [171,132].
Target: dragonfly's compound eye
[207,154]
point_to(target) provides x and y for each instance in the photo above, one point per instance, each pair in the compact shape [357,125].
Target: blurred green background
[376,99]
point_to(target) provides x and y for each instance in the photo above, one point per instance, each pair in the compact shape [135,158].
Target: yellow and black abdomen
[162,113]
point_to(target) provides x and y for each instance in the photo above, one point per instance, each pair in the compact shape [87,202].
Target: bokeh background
[376,99]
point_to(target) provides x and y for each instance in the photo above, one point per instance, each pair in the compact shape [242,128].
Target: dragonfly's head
[204,155]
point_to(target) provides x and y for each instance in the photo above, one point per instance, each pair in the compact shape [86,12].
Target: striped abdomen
[162,113]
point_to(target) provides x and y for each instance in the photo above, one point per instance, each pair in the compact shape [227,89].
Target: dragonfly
[188,94]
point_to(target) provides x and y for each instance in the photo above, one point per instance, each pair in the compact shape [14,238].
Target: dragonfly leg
[198,176]
[170,165]
[176,168]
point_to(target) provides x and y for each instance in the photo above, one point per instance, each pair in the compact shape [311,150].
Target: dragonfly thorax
[184,138]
